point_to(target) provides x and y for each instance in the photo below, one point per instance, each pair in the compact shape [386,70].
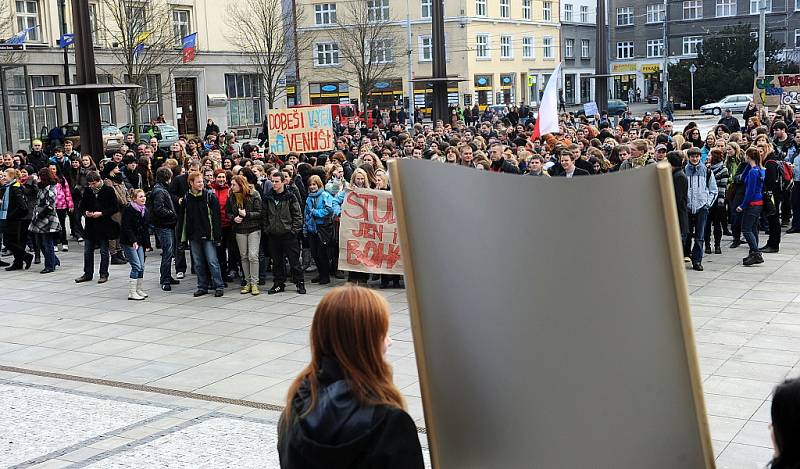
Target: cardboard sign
[300,130]
[772,90]
[368,236]
[590,109]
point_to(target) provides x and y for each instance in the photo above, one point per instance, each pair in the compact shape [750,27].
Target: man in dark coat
[202,229]
[283,220]
[11,219]
[99,204]
[499,163]
[164,217]
[178,188]
[730,122]
[680,184]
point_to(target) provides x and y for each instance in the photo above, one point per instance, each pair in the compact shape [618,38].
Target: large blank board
[550,320]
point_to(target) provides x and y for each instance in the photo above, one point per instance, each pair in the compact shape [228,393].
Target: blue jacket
[318,211]
[702,187]
[338,200]
[753,185]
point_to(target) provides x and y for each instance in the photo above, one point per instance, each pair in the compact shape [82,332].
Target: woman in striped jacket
[716,213]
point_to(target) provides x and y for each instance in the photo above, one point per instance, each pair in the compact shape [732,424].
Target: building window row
[483,47]
[691,10]
[656,47]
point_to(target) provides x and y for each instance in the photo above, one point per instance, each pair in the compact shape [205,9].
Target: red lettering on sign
[373,255]
[789,80]
[369,231]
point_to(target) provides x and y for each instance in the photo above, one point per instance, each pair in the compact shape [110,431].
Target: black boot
[277,288]
[750,260]
[735,244]
[717,249]
[301,288]
[708,248]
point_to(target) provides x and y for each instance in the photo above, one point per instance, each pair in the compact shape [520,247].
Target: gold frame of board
[551,319]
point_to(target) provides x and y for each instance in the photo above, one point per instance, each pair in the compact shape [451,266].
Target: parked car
[616,107]
[112,136]
[734,102]
[165,133]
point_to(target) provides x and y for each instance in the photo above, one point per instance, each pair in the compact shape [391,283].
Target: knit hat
[661,147]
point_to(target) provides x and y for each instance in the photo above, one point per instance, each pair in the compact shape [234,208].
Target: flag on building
[189,46]
[547,120]
[138,43]
[19,38]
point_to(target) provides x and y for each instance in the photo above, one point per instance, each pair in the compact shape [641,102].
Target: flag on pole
[138,43]
[19,38]
[547,120]
[66,40]
[189,46]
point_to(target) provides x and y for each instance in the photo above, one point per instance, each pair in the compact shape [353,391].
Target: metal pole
[297,90]
[665,75]
[692,79]
[439,62]
[601,62]
[62,17]
[762,26]
[410,107]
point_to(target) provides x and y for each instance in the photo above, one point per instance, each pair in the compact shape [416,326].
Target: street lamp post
[692,70]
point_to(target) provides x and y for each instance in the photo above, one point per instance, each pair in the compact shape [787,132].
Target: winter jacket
[45,218]
[134,227]
[319,210]
[341,433]
[282,213]
[17,209]
[201,217]
[222,192]
[37,159]
[105,201]
[63,165]
[754,185]
[731,123]
[118,185]
[680,184]
[702,187]
[252,219]
[63,197]
[30,191]
[338,200]
[163,213]
[721,175]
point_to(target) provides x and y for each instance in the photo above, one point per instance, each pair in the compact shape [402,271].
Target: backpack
[781,174]
[788,175]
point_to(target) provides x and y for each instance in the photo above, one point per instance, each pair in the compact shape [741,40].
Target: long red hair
[350,325]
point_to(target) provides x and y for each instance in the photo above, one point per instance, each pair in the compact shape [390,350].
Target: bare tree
[144,43]
[366,37]
[263,31]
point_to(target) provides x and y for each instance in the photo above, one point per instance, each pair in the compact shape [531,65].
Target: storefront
[387,94]
[329,93]
[569,88]
[652,80]
[483,86]
[291,93]
[423,96]
[624,79]
[507,89]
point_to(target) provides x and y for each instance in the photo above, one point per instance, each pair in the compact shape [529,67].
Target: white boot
[132,294]
[139,290]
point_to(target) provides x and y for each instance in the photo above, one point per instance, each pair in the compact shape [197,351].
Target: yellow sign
[617,68]
[531,80]
[651,68]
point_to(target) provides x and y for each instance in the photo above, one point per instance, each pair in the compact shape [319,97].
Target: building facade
[218,84]
[638,36]
[578,39]
[497,52]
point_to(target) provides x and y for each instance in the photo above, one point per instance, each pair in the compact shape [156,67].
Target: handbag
[325,232]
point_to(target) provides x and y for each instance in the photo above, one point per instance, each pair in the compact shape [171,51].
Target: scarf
[6,200]
[139,208]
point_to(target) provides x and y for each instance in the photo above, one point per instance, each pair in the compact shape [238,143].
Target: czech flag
[547,119]
[189,46]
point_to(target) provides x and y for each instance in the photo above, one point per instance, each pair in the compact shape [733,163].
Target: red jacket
[222,196]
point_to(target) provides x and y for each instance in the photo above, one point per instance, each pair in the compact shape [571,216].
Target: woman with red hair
[343,410]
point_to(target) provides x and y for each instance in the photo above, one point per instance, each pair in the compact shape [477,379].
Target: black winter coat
[17,207]
[202,218]
[680,184]
[163,213]
[134,227]
[339,433]
[103,228]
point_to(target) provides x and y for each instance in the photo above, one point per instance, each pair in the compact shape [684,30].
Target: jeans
[88,256]
[166,237]
[204,257]
[45,240]
[750,217]
[698,222]
[135,259]
[248,250]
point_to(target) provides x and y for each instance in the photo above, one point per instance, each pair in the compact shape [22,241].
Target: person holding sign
[282,221]
[318,227]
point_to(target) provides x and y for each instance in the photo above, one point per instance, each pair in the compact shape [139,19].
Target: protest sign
[773,90]
[301,130]
[590,109]
[368,236]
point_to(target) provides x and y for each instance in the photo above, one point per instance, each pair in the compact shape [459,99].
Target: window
[245,104]
[526,9]
[585,48]
[797,38]
[569,48]
[624,16]
[656,13]
[655,48]
[505,47]
[547,47]
[93,23]
[482,46]
[378,10]
[45,108]
[625,50]
[756,4]
[527,47]
[327,54]
[427,9]
[692,9]
[584,14]
[325,13]
[480,7]
[105,99]
[568,12]
[425,49]
[150,98]
[691,44]
[726,8]
[547,11]
[505,9]
[28,17]
[796,5]
[181,24]
[381,52]
[136,20]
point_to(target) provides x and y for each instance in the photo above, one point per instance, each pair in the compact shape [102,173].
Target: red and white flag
[547,120]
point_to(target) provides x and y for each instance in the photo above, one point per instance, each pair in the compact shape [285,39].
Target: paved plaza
[88,378]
